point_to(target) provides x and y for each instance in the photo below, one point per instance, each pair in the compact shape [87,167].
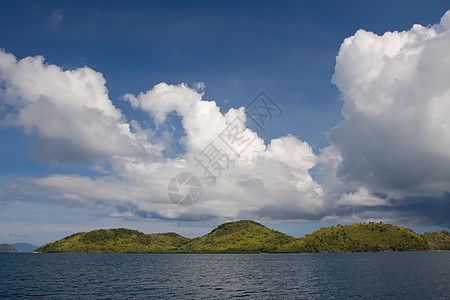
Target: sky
[181,115]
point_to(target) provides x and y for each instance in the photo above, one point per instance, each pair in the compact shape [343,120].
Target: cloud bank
[73,121]
[393,144]
[388,159]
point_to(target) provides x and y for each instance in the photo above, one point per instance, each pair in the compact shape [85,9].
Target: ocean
[401,275]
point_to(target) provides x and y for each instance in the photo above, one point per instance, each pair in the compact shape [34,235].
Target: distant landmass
[24,247]
[7,248]
[251,237]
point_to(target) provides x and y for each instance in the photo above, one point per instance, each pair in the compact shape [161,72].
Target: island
[248,236]
[24,247]
[7,248]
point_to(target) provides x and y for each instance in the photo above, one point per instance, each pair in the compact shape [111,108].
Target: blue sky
[287,49]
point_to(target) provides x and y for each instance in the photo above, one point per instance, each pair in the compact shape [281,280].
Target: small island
[247,236]
[7,248]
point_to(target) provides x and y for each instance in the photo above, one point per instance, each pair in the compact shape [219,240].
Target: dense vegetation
[116,241]
[239,237]
[7,248]
[251,237]
[438,240]
[361,238]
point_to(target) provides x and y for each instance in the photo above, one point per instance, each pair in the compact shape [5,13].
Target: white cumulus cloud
[395,136]
[75,121]
[68,110]
[388,158]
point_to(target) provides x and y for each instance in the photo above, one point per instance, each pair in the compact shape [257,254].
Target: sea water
[405,275]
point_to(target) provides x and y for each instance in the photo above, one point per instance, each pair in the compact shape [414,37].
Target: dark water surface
[407,275]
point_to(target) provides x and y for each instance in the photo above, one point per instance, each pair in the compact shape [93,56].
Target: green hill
[438,240]
[361,238]
[251,237]
[116,241]
[239,237]
[7,248]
